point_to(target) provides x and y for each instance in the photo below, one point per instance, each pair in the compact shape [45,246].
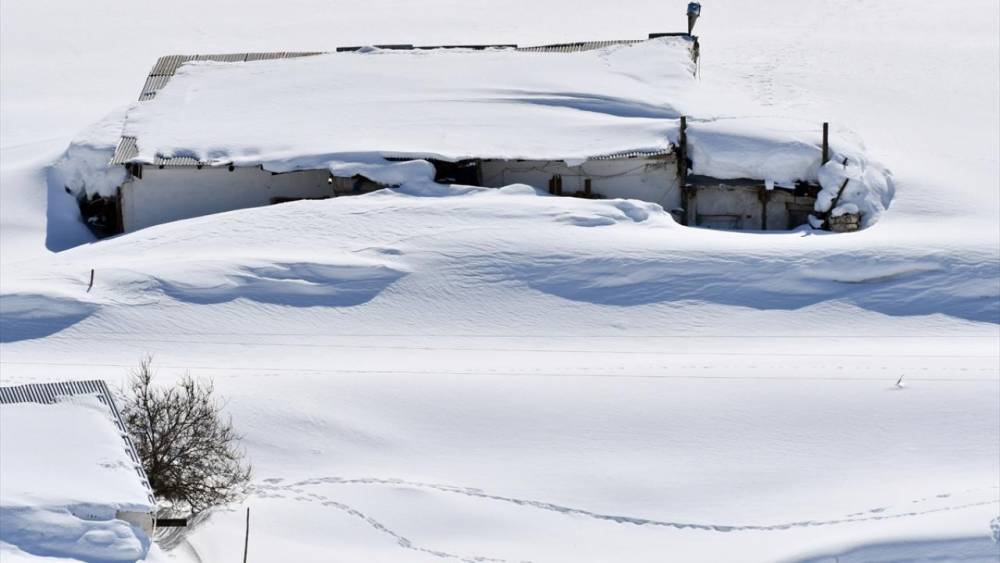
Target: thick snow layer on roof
[451,104]
[66,454]
[785,151]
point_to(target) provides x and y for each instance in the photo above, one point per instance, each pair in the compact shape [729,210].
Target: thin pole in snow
[91,280]
[246,538]
[826,142]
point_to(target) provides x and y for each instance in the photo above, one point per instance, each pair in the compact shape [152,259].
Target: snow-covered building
[603,119]
[570,118]
[72,484]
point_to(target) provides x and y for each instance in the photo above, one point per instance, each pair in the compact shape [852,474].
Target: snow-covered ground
[516,377]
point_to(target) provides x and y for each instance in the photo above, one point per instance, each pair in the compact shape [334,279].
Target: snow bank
[83,169]
[87,533]
[65,475]
[852,184]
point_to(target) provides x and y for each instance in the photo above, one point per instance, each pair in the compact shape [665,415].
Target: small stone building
[169,186]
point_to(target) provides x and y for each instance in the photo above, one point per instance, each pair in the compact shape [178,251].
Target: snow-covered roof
[570,102]
[65,445]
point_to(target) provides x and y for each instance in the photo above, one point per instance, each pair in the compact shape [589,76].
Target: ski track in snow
[864,516]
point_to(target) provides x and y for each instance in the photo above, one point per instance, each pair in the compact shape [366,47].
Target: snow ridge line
[479,493]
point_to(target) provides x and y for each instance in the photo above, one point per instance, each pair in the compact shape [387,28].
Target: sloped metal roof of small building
[166,66]
[50,393]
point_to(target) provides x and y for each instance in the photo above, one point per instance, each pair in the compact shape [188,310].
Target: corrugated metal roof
[153,83]
[177,161]
[481,47]
[634,154]
[167,66]
[279,55]
[126,151]
[577,47]
[223,58]
[49,393]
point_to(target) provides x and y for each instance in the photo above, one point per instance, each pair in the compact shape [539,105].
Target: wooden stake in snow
[826,142]
[91,280]
[246,538]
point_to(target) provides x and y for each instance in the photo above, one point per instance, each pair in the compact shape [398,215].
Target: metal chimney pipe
[694,10]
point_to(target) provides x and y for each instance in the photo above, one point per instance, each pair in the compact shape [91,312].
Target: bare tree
[189,451]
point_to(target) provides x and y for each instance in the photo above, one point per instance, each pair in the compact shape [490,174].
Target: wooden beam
[764,195]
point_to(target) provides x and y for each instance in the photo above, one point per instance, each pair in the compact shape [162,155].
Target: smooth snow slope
[507,376]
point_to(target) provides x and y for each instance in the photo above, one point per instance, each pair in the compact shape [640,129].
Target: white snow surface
[92,465]
[501,375]
[65,473]
[450,104]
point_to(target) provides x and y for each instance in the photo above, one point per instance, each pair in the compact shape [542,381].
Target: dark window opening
[465,172]
[102,215]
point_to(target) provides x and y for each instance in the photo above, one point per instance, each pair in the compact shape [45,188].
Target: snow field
[482,376]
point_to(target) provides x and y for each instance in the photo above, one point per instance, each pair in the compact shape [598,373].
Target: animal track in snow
[874,514]
[269,491]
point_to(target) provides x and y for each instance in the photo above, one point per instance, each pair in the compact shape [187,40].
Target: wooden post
[682,152]
[246,538]
[119,226]
[836,198]
[687,192]
[91,280]
[764,195]
[826,142]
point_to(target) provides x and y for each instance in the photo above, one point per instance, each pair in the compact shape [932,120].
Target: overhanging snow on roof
[575,101]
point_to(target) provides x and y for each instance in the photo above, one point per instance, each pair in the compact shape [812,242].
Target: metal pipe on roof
[694,10]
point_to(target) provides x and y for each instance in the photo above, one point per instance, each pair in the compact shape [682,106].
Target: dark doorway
[465,172]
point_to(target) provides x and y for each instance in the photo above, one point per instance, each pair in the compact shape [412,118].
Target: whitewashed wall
[173,193]
[740,208]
